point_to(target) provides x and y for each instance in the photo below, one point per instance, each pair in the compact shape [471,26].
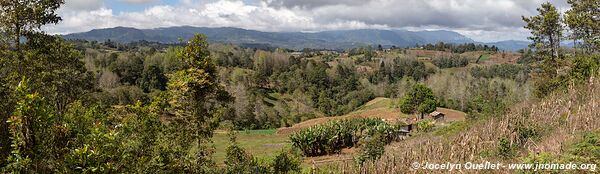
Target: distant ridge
[339,39]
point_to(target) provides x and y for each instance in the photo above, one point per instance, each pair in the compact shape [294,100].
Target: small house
[437,116]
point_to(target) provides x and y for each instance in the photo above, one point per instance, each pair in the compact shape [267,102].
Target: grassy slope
[260,143]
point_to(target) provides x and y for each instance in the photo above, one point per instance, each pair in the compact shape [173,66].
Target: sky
[481,20]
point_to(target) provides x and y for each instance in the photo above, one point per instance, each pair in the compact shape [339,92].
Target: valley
[278,87]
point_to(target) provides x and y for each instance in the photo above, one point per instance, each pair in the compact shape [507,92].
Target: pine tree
[584,21]
[546,30]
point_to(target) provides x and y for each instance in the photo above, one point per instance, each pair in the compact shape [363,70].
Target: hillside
[339,39]
[377,108]
[552,130]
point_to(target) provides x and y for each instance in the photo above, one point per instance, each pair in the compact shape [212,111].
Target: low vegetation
[331,137]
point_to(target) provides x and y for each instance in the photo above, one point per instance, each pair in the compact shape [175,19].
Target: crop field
[376,108]
[260,143]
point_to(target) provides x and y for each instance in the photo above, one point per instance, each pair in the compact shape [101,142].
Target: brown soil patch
[345,155]
[503,58]
[428,53]
[452,115]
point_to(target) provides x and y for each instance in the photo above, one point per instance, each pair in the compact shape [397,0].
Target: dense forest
[76,106]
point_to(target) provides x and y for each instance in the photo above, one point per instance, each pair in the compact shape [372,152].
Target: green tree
[419,99]
[56,70]
[196,102]
[546,30]
[584,22]
[129,68]
[24,17]
[153,78]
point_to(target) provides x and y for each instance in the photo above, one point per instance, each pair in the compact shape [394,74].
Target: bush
[454,61]
[584,68]
[286,161]
[372,149]
[238,161]
[425,125]
[505,149]
[516,72]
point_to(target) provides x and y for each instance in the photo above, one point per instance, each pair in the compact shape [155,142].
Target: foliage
[286,162]
[584,67]
[238,161]
[129,69]
[372,149]
[546,86]
[517,72]
[27,125]
[582,19]
[153,78]
[332,136]
[586,150]
[505,149]
[419,99]
[55,70]
[488,98]
[195,102]
[546,30]
[425,125]
[20,18]
[459,48]
[450,62]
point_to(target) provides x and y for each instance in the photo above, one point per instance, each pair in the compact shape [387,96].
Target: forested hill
[340,39]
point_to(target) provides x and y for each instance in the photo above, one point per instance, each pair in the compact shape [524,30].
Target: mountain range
[338,39]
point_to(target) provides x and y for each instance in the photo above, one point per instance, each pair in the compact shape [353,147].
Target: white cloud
[82,5]
[138,1]
[483,20]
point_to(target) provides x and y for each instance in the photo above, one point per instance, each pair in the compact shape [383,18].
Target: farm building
[437,116]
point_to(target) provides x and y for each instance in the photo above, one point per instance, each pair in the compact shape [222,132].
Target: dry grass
[556,119]
[503,58]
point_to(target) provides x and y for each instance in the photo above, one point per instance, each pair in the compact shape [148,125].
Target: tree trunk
[551,39]
[17,38]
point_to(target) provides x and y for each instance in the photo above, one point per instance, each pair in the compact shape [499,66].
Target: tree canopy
[419,99]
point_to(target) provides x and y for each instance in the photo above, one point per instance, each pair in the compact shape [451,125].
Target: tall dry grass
[554,121]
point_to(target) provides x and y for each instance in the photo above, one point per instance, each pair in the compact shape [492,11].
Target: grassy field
[259,143]
[379,102]
[484,57]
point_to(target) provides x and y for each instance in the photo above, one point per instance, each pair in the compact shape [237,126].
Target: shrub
[372,149]
[238,161]
[286,161]
[584,68]
[425,125]
[505,149]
